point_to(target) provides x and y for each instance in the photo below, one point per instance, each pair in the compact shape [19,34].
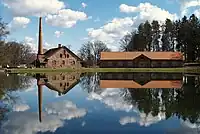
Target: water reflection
[154,101]
[141,80]
[60,83]
[153,96]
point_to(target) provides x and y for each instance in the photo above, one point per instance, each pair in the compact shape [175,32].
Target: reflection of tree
[90,82]
[14,82]
[179,102]
[172,102]
[10,83]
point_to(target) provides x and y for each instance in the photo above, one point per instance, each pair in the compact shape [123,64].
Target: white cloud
[83,123]
[186,127]
[20,107]
[97,19]
[34,46]
[187,4]
[65,110]
[127,9]
[113,99]
[52,119]
[58,33]
[46,45]
[33,7]
[127,119]
[84,38]
[142,119]
[31,42]
[84,5]
[66,18]
[27,123]
[19,22]
[114,30]
[148,11]
[197,12]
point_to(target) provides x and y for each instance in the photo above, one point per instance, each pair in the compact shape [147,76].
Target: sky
[74,22]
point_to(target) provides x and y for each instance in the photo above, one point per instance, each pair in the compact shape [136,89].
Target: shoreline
[46,70]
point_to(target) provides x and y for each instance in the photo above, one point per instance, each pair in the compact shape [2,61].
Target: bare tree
[90,52]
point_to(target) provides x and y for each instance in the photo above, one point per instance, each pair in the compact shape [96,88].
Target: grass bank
[44,70]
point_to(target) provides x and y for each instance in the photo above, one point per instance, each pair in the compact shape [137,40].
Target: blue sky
[78,21]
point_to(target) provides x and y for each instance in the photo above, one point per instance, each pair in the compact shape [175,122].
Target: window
[110,63]
[120,63]
[60,84]
[63,77]
[71,78]
[72,62]
[60,55]
[63,62]
[54,77]
[54,62]
[67,84]
[67,55]
[130,63]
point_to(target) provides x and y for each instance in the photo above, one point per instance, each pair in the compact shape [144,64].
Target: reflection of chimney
[40,48]
[39,100]
[59,45]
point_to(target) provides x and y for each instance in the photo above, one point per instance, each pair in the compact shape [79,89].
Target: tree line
[180,35]
[13,53]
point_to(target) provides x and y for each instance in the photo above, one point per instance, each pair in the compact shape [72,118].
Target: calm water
[71,103]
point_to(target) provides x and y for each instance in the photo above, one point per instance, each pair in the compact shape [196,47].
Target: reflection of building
[140,80]
[141,59]
[61,83]
[56,57]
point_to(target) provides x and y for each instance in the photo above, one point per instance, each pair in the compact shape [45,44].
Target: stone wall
[62,59]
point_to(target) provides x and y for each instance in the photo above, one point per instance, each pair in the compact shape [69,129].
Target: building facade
[141,59]
[60,57]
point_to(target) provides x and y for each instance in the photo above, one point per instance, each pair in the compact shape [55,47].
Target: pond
[72,103]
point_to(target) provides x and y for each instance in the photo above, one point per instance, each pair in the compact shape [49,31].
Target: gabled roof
[52,51]
[52,87]
[133,55]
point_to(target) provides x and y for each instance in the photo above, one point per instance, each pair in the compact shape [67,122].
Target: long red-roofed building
[141,59]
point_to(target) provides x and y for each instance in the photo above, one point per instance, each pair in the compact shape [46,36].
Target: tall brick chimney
[40,48]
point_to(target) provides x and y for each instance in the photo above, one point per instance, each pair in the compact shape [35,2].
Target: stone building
[59,57]
[141,59]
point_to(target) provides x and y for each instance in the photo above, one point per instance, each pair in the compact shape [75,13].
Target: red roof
[133,55]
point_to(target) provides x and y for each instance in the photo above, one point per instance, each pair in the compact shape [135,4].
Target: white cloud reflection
[113,98]
[20,107]
[65,110]
[24,122]
[142,119]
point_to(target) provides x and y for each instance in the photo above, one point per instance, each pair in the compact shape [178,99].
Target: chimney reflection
[61,83]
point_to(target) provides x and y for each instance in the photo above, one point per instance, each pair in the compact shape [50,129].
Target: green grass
[170,70]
